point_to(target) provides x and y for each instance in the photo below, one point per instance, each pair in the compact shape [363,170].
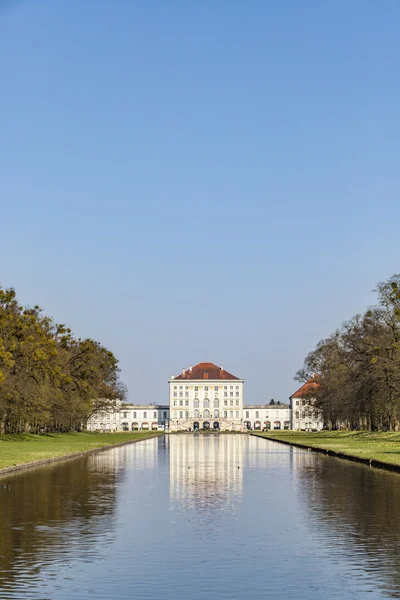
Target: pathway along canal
[201,517]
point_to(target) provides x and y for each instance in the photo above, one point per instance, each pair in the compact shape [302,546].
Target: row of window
[125,415]
[181,394]
[267,416]
[206,403]
[206,387]
[206,414]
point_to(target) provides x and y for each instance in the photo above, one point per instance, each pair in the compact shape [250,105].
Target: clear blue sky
[183,175]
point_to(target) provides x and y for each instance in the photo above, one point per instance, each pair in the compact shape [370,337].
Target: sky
[200,179]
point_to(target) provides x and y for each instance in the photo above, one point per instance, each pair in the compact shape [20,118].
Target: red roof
[205,370]
[307,388]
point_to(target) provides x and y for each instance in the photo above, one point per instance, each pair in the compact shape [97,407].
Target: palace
[205,397]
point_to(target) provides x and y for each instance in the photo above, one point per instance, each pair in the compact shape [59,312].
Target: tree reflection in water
[47,510]
[358,509]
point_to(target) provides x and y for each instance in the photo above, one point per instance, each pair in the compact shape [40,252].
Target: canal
[203,517]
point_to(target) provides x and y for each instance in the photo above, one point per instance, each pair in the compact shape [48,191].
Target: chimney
[172,376]
[222,367]
[183,372]
[190,368]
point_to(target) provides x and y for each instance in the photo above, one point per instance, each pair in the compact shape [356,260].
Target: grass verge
[377,448]
[24,449]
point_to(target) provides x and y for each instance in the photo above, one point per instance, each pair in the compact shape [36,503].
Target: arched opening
[196,426]
[154,426]
[135,426]
[277,424]
[216,403]
[216,425]
[247,424]
[145,425]
[206,413]
[257,425]
[286,425]
[216,413]
[206,425]
[125,426]
[267,425]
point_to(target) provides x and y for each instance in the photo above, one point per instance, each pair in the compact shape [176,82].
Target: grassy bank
[22,449]
[382,448]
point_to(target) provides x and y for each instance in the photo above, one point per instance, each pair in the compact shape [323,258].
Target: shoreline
[371,462]
[45,461]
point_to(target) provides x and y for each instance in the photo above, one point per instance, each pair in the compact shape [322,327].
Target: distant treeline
[358,367]
[49,378]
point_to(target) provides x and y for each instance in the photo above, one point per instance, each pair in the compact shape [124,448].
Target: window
[247,414]
[186,387]
[206,388]
[186,402]
[180,394]
[216,413]
[145,415]
[225,402]
[231,387]
[231,402]
[297,402]
[175,387]
[186,414]
[134,414]
[181,414]
[237,387]
[206,402]
[196,389]
[225,414]
[225,393]
[125,415]
[297,414]
[237,414]
[303,415]
[231,414]
[175,394]
[231,394]
[206,413]
[175,401]
[155,414]
[216,388]
[196,414]
[257,414]
[181,387]
[196,402]
[216,402]
[164,414]
[180,402]
[237,402]
[303,402]
[237,393]
[225,387]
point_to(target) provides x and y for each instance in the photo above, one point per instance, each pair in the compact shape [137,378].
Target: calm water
[248,519]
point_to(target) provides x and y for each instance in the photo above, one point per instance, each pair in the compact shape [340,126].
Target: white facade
[267,416]
[206,397]
[305,417]
[131,417]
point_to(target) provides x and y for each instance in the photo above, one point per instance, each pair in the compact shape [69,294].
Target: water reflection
[57,511]
[355,511]
[207,517]
[206,472]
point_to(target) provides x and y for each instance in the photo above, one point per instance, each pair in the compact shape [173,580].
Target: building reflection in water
[206,471]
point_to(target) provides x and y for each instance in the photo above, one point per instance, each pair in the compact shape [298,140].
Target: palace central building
[205,397]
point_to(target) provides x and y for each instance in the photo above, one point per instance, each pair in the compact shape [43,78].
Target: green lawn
[379,446]
[25,448]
